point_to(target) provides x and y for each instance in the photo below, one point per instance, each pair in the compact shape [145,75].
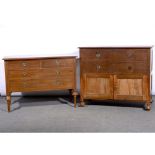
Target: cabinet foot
[82,104]
[147,106]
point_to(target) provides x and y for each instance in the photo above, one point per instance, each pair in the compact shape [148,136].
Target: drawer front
[97,67]
[96,54]
[129,68]
[48,63]
[115,54]
[127,55]
[26,73]
[23,64]
[40,73]
[40,84]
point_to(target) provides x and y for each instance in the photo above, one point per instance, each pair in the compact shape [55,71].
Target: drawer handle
[98,54]
[98,67]
[24,74]
[58,72]
[24,64]
[24,84]
[57,62]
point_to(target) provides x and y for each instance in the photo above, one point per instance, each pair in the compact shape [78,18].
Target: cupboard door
[131,87]
[98,86]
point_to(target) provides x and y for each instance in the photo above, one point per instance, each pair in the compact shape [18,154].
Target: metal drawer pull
[24,64]
[24,74]
[98,54]
[57,62]
[25,84]
[98,67]
[58,72]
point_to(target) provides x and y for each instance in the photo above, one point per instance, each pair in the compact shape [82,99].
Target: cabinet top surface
[38,57]
[113,47]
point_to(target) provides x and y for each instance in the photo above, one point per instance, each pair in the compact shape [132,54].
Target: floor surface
[57,114]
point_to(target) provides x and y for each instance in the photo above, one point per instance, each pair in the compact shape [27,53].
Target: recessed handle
[129,68]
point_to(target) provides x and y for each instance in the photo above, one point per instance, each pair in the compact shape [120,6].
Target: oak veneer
[116,73]
[40,74]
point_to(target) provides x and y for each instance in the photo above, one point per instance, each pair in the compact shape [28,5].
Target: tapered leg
[75,96]
[8,99]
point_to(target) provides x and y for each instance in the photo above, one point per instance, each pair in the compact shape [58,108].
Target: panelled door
[98,86]
[131,87]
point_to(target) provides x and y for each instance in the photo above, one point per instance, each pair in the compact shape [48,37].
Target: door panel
[98,86]
[130,87]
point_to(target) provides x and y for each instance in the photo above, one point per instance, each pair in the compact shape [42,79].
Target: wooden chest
[116,73]
[40,74]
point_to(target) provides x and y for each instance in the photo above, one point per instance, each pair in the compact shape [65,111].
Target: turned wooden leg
[82,103]
[147,106]
[8,99]
[75,96]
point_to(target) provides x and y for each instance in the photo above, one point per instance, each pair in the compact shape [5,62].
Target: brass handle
[58,72]
[57,62]
[98,54]
[98,67]
[24,84]
[24,64]
[24,74]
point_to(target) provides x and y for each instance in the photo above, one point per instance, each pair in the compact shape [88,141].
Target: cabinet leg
[147,106]
[82,103]
[75,96]
[8,99]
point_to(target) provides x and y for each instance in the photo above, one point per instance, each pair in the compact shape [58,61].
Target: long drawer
[40,73]
[40,84]
[114,55]
[120,67]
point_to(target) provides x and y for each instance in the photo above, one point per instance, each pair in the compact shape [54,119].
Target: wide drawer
[120,67]
[40,84]
[40,73]
[48,63]
[115,54]
[23,64]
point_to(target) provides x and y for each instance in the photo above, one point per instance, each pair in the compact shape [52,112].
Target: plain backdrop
[49,27]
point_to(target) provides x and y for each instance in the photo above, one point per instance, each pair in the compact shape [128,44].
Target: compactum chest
[40,74]
[116,73]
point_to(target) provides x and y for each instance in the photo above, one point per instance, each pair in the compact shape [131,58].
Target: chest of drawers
[40,74]
[116,73]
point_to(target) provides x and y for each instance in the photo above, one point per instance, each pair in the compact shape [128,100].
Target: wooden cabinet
[116,73]
[40,74]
